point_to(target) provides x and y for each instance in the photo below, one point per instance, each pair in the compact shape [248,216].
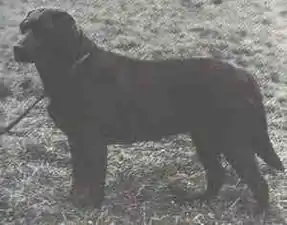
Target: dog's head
[45,31]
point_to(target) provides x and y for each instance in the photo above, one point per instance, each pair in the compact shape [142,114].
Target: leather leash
[18,119]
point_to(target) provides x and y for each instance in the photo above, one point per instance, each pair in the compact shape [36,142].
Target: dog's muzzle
[20,55]
[25,48]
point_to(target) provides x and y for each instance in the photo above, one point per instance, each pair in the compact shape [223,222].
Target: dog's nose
[19,53]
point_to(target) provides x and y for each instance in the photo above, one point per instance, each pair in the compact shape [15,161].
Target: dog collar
[81,60]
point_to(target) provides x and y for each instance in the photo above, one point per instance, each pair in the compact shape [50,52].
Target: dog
[99,98]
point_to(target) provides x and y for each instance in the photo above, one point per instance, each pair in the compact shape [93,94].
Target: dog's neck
[84,48]
[88,48]
[56,68]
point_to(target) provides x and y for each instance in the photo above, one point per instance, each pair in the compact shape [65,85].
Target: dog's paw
[87,196]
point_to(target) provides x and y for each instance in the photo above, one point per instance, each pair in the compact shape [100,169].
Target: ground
[35,168]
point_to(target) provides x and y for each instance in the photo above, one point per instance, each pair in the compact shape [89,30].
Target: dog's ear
[47,21]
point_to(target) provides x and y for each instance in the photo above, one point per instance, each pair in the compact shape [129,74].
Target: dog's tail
[262,144]
[260,137]
[265,150]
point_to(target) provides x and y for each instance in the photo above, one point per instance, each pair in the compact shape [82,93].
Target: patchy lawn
[35,169]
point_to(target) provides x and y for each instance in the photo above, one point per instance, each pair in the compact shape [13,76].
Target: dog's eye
[24,26]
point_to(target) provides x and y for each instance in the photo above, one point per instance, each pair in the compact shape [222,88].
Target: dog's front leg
[89,162]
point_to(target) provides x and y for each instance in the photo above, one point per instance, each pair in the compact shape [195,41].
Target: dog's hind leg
[214,174]
[208,154]
[246,167]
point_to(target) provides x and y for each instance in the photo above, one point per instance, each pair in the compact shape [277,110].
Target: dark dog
[99,98]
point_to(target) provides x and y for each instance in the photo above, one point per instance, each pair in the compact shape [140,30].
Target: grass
[35,168]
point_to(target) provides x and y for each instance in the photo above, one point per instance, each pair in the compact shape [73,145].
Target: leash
[17,120]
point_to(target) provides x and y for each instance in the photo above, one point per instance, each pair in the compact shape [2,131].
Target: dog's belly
[137,129]
[150,121]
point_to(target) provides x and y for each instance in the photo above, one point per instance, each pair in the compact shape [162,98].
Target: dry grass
[35,168]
